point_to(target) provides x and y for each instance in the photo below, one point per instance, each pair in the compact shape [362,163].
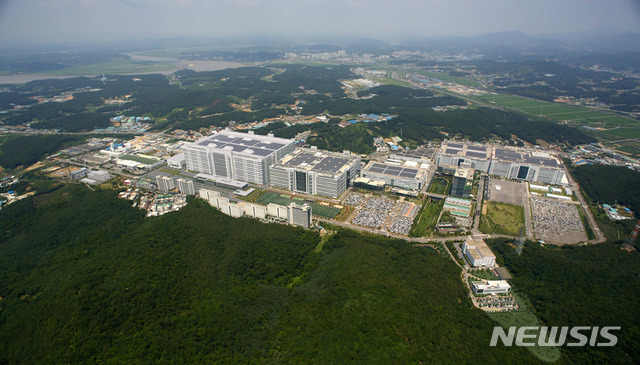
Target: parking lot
[557,222]
[353,200]
[510,192]
[404,220]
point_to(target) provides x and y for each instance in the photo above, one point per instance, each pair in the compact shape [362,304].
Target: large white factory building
[236,156]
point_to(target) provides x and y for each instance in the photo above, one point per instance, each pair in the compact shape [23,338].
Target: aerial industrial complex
[236,156]
[315,172]
[512,163]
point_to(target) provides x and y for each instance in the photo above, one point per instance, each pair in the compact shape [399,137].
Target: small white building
[478,253]
[99,175]
[491,287]
[177,162]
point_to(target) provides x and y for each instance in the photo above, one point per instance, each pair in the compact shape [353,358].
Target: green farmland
[558,111]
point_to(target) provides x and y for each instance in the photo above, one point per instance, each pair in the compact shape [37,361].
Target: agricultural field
[557,111]
[501,218]
[283,199]
[624,132]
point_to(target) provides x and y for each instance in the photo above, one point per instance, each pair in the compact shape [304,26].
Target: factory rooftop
[390,170]
[317,161]
[500,153]
[243,143]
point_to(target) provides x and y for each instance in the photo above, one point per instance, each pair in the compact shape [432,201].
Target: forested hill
[86,278]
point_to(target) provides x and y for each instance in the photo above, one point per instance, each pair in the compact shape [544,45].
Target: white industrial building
[478,253]
[177,162]
[316,172]
[236,156]
[278,211]
[406,175]
[491,287]
[512,163]
[299,215]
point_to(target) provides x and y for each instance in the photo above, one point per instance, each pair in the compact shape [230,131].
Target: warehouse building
[533,166]
[478,253]
[316,172]
[236,156]
[396,175]
[512,163]
[452,155]
[177,162]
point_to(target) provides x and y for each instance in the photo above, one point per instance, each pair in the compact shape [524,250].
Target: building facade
[236,156]
[316,172]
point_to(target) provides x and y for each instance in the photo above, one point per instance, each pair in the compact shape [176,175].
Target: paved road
[476,217]
[600,237]
[527,212]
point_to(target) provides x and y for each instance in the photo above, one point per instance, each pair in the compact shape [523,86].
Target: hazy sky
[81,20]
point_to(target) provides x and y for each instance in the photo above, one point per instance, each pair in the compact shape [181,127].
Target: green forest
[593,285]
[86,278]
[192,100]
[26,150]
[610,184]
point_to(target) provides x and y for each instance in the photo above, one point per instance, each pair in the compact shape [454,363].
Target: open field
[446,77]
[503,191]
[624,132]
[558,111]
[501,218]
[283,199]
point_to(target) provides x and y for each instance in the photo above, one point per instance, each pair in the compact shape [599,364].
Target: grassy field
[501,218]
[448,78]
[427,220]
[283,199]
[624,132]
[121,66]
[558,111]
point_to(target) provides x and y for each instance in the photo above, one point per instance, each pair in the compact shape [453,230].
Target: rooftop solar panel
[450,151]
[476,148]
[476,154]
[454,145]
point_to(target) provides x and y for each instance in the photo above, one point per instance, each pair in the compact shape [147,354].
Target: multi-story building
[316,172]
[462,182]
[165,183]
[186,187]
[236,156]
[509,162]
[300,215]
[478,253]
[395,175]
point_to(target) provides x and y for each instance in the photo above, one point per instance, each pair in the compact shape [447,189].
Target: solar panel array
[384,169]
[318,163]
[476,154]
[250,144]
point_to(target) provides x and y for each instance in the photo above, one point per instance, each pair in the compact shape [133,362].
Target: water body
[179,64]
